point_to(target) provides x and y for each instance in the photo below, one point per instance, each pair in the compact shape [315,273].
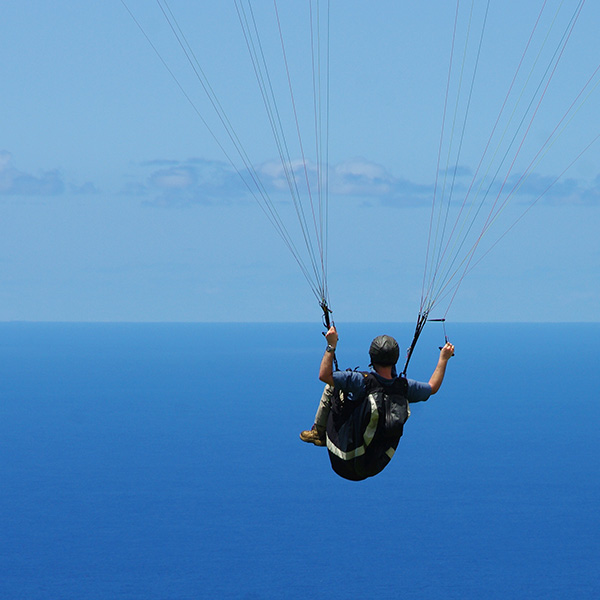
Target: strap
[327,322]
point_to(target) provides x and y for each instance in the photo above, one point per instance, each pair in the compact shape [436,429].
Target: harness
[363,436]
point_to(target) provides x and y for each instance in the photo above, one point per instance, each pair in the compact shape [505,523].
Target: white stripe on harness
[367,436]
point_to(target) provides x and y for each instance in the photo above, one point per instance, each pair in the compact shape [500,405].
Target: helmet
[384,351]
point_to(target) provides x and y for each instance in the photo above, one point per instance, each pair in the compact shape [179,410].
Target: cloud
[519,189]
[14,182]
[552,192]
[198,181]
[88,188]
[356,178]
[18,183]
[179,183]
[175,178]
[361,178]
[458,170]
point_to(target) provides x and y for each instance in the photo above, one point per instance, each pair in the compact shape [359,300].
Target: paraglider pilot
[361,415]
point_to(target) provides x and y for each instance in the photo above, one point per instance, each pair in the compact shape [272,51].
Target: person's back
[362,436]
[361,416]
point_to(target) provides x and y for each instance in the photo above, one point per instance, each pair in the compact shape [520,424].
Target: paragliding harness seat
[362,436]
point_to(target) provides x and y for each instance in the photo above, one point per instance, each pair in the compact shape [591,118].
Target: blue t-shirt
[352,383]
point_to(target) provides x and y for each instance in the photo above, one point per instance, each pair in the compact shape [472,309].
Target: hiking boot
[312,436]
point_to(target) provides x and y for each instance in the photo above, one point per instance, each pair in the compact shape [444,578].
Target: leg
[324,408]
[316,435]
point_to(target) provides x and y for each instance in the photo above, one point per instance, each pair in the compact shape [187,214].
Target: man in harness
[361,415]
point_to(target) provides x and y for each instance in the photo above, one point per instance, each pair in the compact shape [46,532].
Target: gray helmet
[384,351]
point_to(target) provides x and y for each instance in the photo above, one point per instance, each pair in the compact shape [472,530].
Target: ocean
[162,461]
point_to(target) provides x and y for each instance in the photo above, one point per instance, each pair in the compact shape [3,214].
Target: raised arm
[326,369]
[446,353]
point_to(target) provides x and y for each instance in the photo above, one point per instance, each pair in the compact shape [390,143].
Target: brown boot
[312,436]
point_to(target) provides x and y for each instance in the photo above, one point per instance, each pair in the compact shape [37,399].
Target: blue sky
[117,205]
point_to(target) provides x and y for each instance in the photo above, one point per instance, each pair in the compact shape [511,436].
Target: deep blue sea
[162,461]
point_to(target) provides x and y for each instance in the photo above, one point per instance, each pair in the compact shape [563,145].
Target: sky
[118,204]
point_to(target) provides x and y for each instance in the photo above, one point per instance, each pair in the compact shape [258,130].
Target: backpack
[362,436]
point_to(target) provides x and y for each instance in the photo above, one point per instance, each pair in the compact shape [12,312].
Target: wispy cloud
[171,182]
[166,182]
[562,192]
[18,183]
[519,188]
[361,178]
[176,183]
[457,170]
[86,189]
[15,182]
